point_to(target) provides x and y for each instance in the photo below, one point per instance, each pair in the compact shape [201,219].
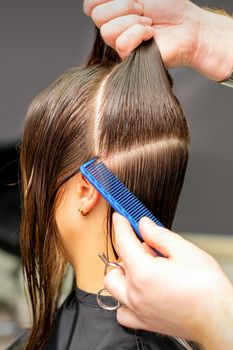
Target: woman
[125,113]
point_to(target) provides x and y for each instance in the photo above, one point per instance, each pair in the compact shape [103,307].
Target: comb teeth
[116,193]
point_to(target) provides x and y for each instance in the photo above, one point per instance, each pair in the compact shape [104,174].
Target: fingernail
[138,7]
[146,20]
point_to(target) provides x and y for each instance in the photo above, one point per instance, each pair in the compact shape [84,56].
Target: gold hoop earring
[81,212]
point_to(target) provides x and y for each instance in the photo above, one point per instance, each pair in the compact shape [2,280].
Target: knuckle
[121,48]
[134,19]
[128,6]
[86,8]
[139,29]
[97,17]
[106,33]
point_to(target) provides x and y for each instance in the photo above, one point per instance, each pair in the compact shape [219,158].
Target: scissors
[104,290]
[104,306]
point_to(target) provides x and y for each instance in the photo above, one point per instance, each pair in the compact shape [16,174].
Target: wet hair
[124,112]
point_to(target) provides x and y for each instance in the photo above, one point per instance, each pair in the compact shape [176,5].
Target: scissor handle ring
[105,306]
[111,264]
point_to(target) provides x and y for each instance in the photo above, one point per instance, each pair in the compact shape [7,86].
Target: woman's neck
[89,268]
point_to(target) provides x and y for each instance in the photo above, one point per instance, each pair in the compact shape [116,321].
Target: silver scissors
[102,291]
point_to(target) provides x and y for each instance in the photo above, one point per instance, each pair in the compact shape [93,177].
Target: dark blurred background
[39,40]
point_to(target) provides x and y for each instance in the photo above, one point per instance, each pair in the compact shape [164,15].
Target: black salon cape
[82,325]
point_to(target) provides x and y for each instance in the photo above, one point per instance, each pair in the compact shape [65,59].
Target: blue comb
[116,193]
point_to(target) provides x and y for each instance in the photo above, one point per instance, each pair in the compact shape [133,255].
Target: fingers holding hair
[106,11]
[122,24]
[132,38]
[111,30]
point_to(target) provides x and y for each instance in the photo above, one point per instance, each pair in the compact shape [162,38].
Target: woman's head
[125,113]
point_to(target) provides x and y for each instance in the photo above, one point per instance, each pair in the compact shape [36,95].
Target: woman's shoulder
[20,342]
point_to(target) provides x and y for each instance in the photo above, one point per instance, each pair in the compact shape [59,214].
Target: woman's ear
[87,194]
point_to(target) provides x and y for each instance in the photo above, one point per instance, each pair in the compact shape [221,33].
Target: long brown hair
[124,112]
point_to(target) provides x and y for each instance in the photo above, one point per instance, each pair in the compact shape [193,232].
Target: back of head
[125,113]
[141,131]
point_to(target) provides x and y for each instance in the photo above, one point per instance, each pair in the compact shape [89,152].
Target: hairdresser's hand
[122,27]
[185,33]
[185,294]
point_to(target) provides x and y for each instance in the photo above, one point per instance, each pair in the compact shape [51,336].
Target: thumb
[168,243]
